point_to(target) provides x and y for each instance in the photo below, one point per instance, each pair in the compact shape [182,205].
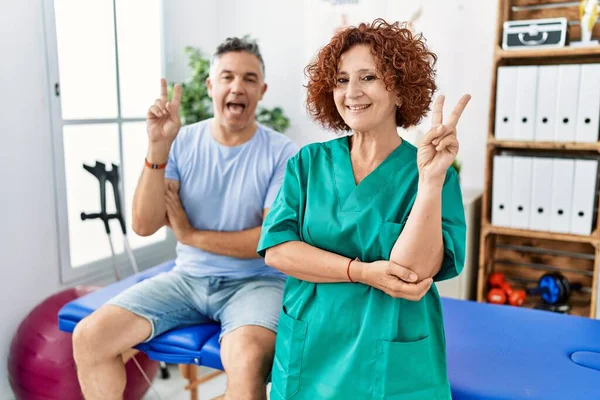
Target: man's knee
[87,340]
[248,351]
[107,333]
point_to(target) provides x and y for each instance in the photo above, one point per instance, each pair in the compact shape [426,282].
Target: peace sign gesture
[163,116]
[439,147]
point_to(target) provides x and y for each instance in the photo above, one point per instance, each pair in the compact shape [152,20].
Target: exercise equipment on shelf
[554,288]
[501,291]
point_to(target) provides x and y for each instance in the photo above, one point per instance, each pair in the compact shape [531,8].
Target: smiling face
[360,94]
[236,85]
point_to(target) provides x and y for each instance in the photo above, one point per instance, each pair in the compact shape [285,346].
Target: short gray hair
[238,44]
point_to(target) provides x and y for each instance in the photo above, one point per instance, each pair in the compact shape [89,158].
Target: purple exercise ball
[41,364]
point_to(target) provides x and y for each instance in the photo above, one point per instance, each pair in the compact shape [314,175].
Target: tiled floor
[173,387]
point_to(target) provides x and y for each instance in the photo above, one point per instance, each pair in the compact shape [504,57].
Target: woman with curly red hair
[364,224]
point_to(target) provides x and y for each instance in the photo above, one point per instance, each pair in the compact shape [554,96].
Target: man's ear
[263,91]
[209,87]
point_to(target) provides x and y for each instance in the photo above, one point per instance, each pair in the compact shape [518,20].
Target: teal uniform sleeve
[453,228]
[282,222]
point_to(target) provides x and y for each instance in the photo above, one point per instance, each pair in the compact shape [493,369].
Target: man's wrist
[158,152]
[192,237]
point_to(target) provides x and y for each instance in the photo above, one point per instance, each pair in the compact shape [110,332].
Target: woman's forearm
[303,261]
[420,246]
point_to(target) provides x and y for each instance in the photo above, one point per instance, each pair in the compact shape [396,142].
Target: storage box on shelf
[522,249]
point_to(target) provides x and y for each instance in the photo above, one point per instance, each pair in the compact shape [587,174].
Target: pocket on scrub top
[287,364]
[405,370]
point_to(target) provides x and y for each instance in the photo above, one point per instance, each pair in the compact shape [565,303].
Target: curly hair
[402,58]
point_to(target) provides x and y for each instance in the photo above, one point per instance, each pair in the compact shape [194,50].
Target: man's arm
[149,209]
[238,244]
[162,126]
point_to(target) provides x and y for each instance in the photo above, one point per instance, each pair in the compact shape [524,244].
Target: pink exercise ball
[41,364]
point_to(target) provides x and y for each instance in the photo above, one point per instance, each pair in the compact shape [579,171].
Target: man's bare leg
[247,356]
[102,343]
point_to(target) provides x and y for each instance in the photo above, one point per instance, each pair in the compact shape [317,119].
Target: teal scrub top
[350,340]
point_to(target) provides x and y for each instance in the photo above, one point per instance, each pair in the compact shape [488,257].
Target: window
[105,63]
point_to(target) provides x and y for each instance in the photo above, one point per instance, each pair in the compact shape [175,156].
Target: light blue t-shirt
[226,189]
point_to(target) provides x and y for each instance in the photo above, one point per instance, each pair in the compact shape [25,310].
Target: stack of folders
[544,193]
[559,103]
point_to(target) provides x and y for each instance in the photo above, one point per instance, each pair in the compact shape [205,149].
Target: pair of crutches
[112,176]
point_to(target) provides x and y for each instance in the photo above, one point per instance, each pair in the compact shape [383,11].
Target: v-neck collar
[353,197]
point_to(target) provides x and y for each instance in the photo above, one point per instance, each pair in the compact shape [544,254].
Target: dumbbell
[502,291]
[554,288]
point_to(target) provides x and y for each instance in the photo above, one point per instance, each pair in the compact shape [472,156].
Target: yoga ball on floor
[40,361]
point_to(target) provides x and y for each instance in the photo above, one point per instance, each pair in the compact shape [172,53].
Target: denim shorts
[175,299]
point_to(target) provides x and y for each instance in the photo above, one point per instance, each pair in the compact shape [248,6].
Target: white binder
[584,196]
[588,110]
[566,103]
[520,192]
[502,177]
[525,105]
[562,192]
[545,114]
[505,102]
[541,194]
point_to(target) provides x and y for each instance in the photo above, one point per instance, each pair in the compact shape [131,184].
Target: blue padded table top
[505,352]
[494,351]
[190,345]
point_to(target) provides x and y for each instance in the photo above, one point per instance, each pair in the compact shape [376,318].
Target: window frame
[145,256]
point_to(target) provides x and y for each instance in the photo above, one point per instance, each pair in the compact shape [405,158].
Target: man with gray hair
[212,183]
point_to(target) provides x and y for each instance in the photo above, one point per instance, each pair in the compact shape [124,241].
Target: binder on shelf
[584,196]
[501,190]
[546,103]
[562,192]
[524,120]
[506,95]
[588,110]
[520,192]
[541,194]
[566,103]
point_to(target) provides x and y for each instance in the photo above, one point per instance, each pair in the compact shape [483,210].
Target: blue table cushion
[505,352]
[178,346]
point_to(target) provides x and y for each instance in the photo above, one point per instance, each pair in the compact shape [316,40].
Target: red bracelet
[154,166]
[348,269]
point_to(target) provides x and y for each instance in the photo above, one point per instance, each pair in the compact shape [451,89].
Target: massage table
[494,351]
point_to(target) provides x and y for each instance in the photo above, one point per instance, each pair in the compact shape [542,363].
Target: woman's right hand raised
[393,279]
[162,120]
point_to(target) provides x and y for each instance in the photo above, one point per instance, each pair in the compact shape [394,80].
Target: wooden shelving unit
[565,52]
[515,144]
[524,255]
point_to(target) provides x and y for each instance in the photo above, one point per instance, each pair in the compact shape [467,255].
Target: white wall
[28,228]
[461,32]
[187,23]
